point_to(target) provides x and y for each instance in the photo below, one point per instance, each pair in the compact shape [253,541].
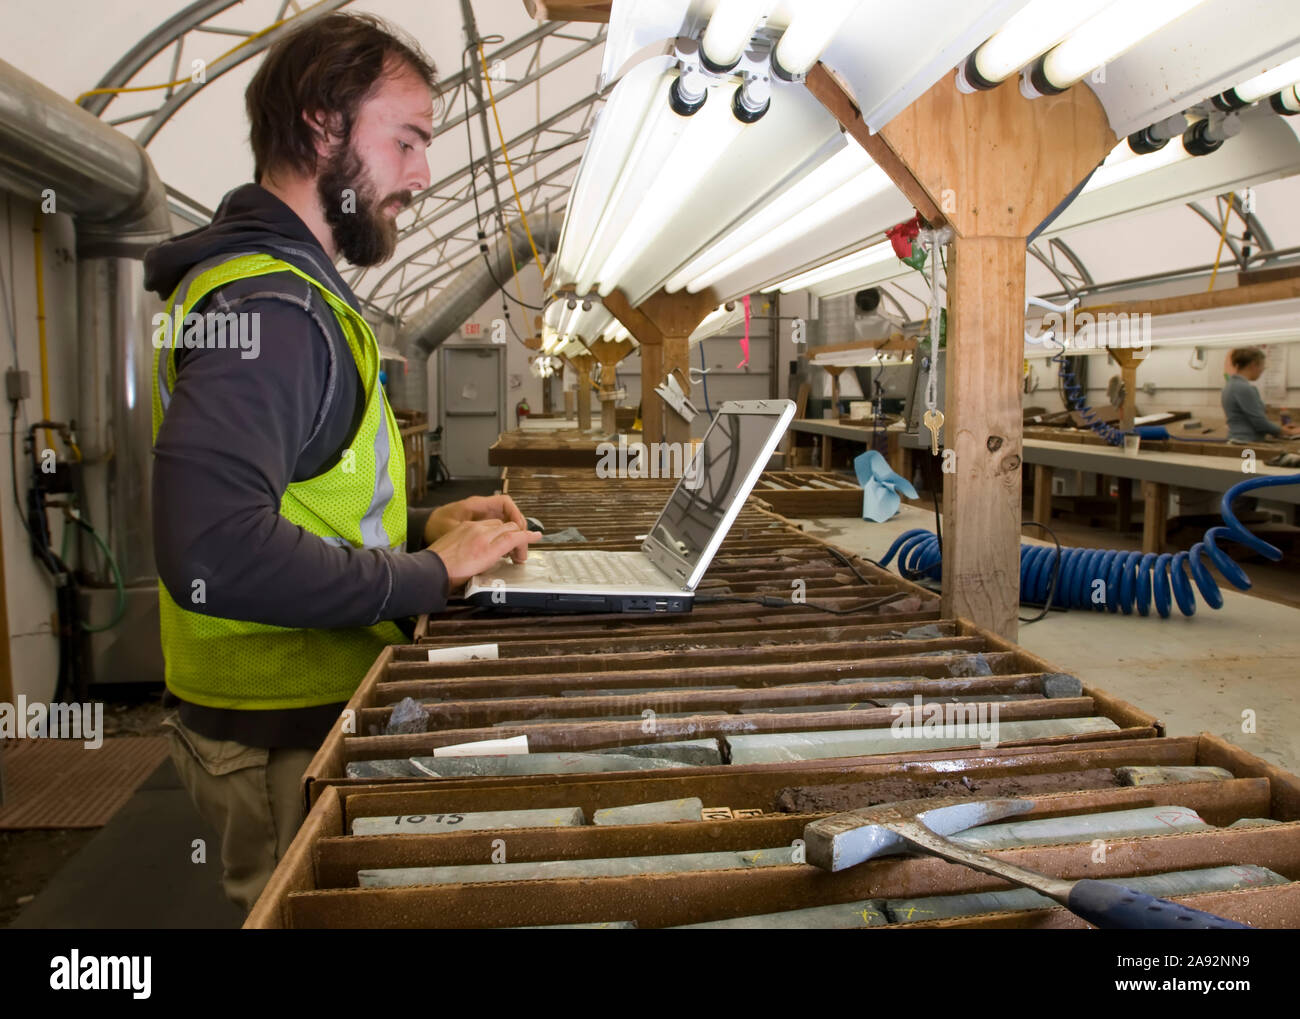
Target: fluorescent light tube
[613,137]
[1120,169]
[814,25]
[860,189]
[1028,34]
[677,172]
[1104,37]
[791,203]
[873,255]
[1287,101]
[1256,88]
[652,144]
[730,28]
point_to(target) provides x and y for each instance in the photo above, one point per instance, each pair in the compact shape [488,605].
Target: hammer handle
[1114,907]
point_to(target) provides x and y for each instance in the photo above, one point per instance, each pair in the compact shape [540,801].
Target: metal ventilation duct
[98,175]
[463,296]
[108,184]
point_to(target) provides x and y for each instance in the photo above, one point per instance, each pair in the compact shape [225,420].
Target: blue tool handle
[1114,907]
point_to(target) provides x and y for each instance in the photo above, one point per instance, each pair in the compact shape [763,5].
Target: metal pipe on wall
[64,159]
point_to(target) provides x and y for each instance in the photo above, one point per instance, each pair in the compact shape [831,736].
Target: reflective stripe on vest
[359,501]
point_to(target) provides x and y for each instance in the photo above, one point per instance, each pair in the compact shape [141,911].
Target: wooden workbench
[1211,467]
[552,447]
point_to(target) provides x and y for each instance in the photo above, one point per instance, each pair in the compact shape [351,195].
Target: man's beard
[362,233]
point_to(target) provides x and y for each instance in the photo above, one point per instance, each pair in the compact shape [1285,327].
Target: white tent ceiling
[201,151]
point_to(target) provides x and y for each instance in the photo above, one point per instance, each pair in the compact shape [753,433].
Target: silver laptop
[663,575]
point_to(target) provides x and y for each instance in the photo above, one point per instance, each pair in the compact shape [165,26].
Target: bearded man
[286,553]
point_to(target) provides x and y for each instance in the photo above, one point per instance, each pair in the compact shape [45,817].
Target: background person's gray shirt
[1244,409]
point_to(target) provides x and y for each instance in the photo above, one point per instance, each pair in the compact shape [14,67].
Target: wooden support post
[899,456]
[652,407]
[992,165]
[1124,512]
[831,413]
[662,325]
[1155,517]
[608,402]
[788,444]
[547,400]
[1042,498]
[676,362]
[1128,361]
[608,354]
[981,498]
[582,364]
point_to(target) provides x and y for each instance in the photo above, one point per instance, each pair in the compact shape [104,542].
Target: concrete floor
[138,872]
[1198,674]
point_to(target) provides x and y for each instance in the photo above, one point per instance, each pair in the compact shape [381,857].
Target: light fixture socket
[752,99]
[1228,101]
[683,101]
[1144,142]
[1037,76]
[1285,103]
[780,72]
[1198,140]
[714,68]
[969,72]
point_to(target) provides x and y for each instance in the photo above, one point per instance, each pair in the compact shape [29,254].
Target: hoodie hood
[249,219]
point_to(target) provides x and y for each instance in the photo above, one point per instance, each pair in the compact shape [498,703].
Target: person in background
[1242,405]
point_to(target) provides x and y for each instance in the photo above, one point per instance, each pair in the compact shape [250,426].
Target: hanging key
[933,420]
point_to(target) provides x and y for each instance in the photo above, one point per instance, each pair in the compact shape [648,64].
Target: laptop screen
[715,484]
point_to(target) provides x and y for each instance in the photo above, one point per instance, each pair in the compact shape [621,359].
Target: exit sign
[471,329]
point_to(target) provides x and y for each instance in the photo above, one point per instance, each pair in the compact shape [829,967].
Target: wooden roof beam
[569,10]
[1249,293]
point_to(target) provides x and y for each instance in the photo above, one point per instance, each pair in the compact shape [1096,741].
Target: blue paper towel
[880,487]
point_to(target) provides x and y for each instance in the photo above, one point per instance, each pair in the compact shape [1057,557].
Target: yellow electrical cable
[1223,236]
[510,171]
[181,81]
[40,322]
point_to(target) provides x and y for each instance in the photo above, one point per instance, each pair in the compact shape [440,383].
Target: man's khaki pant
[252,797]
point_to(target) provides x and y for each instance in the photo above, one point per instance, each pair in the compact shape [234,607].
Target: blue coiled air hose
[1131,579]
[1077,400]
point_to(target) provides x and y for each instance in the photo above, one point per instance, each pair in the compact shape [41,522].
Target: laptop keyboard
[578,567]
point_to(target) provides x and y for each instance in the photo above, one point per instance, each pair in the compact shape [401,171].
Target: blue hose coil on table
[1132,579]
[1076,399]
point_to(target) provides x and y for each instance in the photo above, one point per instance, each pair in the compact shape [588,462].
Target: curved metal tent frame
[432,249]
[409,275]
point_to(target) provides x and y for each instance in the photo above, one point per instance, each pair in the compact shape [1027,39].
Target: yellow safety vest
[360,501]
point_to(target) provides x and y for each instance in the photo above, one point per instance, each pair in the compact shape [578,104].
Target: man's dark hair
[329,65]
[1244,357]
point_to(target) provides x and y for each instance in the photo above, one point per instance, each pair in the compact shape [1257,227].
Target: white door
[471,391]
